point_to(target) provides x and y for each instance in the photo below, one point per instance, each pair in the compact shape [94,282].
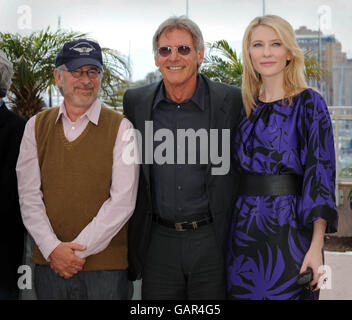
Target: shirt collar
[92,113]
[198,97]
[1,102]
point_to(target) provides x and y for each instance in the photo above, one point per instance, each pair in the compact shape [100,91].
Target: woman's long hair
[294,78]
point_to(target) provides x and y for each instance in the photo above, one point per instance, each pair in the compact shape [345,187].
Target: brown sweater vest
[76,179]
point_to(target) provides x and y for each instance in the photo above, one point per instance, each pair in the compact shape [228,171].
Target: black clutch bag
[305,278]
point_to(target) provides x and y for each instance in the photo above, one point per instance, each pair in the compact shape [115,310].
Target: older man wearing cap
[12,231]
[76,193]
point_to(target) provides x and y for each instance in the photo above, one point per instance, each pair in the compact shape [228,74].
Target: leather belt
[274,185]
[185,225]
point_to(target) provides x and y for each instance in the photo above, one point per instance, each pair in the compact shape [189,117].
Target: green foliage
[222,64]
[312,69]
[33,57]
[346,172]
[116,73]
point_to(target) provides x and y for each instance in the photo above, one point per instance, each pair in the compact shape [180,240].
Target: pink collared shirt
[114,212]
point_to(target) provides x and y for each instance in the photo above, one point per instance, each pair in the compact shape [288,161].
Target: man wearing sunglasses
[177,234]
[76,192]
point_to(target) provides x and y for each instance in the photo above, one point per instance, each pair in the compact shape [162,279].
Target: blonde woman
[285,155]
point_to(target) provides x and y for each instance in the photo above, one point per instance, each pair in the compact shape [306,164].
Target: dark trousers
[183,265]
[8,294]
[85,285]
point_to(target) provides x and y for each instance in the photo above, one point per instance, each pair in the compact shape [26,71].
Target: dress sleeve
[319,168]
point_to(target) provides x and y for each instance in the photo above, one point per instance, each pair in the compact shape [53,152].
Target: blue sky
[128,25]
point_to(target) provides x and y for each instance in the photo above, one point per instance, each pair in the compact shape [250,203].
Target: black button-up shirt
[178,186]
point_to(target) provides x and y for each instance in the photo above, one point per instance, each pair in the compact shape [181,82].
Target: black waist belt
[257,185]
[185,225]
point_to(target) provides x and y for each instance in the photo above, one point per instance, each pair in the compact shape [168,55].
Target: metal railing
[342,121]
[341,117]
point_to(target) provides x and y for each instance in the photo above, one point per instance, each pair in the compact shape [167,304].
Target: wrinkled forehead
[183,36]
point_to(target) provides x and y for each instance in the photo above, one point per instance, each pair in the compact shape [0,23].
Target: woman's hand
[314,256]
[314,259]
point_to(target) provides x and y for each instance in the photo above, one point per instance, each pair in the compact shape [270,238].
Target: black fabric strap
[275,185]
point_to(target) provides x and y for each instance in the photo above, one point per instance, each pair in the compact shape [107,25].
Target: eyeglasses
[182,50]
[91,73]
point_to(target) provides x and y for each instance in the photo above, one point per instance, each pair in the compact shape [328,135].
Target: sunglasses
[182,50]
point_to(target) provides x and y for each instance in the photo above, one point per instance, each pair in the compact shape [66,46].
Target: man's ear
[200,56]
[57,77]
[156,60]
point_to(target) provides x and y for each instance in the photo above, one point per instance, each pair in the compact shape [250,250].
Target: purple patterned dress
[270,234]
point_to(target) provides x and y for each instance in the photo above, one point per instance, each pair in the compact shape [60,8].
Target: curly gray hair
[6,72]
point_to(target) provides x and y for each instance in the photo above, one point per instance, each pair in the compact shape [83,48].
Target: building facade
[327,51]
[342,82]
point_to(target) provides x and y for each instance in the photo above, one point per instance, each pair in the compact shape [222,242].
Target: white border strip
[337,253]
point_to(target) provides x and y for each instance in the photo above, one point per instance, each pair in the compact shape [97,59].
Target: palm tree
[312,69]
[33,57]
[222,64]
[116,73]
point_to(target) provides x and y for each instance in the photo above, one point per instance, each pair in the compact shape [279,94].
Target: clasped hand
[64,261]
[314,260]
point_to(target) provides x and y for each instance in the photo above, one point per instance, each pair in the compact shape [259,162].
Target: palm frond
[33,57]
[222,64]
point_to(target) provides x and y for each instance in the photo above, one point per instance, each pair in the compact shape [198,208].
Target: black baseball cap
[79,53]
